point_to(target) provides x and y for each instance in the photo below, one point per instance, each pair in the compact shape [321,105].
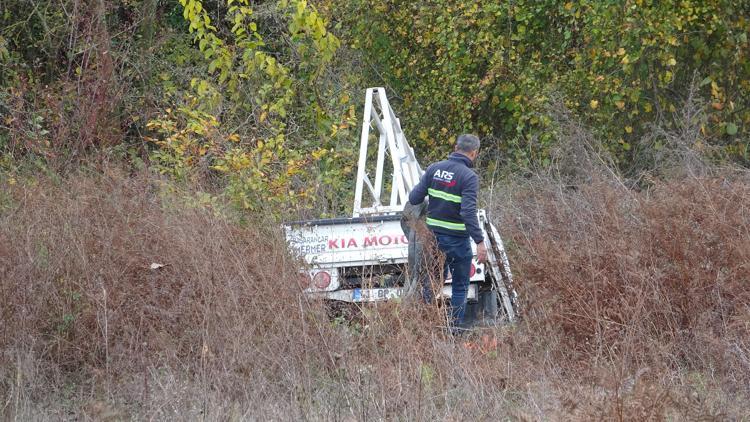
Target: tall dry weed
[635,307]
[637,287]
[82,300]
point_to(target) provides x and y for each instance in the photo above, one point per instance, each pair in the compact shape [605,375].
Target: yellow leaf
[594,104]
[621,51]
[671,62]
[620,104]
[568,5]
[318,154]
[629,129]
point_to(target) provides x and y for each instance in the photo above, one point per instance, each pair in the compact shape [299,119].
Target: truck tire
[471,316]
[489,302]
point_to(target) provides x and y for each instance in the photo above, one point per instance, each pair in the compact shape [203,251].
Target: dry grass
[636,307]
[640,289]
[90,313]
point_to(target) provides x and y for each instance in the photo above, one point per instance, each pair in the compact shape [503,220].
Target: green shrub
[621,66]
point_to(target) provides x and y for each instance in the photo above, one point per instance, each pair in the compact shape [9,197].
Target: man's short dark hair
[467,143]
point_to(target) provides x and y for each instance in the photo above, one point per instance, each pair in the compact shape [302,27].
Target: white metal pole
[362,153]
[398,188]
[381,154]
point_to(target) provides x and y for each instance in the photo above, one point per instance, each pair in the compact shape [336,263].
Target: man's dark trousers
[458,255]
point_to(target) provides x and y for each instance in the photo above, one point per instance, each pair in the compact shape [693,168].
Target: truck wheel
[471,315]
[489,302]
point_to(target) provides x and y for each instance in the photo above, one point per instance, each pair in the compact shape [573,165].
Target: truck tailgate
[336,242]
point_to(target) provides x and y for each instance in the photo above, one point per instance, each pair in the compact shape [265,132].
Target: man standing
[452,187]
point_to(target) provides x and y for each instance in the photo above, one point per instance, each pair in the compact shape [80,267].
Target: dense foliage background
[620,66]
[260,100]
[178,132]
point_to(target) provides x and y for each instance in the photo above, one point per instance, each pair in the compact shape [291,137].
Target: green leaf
[731,129]
[212,66]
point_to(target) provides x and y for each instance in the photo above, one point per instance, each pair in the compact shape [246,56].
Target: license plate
[378,294]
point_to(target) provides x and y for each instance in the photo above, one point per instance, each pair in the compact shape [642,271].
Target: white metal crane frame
[379,115]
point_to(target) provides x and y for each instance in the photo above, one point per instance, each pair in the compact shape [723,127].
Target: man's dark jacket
[452,187]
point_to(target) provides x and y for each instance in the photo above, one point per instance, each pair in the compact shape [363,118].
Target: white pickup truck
[364,258]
